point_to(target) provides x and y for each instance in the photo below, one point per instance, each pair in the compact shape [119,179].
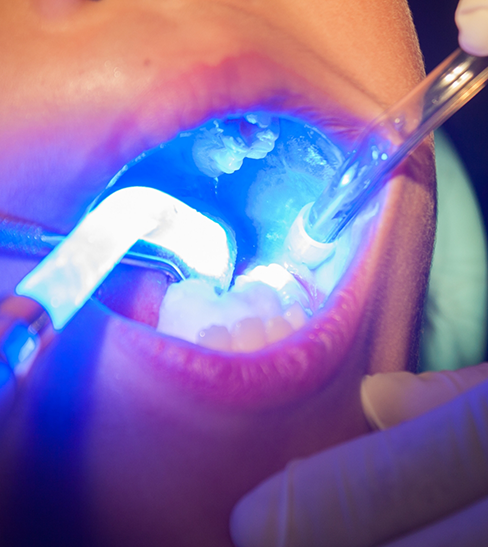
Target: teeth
[223,146]
[245,319]
[261,298]
[296,316]
[264,143]
[261,119]
[248,335]
[216,337]
[276,276]
[277,329]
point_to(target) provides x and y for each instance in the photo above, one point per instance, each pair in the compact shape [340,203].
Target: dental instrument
[24,238]
[383,145]
[58,287]
[28,239]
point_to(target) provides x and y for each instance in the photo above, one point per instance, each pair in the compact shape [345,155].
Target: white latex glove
[424,481]
[472,22]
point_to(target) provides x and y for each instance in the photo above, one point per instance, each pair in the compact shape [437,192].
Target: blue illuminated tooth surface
[192,306]
[280,279]
[262,119]
[221,146]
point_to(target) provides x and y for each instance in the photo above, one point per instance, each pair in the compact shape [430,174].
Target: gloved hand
[472,22]
[424,481]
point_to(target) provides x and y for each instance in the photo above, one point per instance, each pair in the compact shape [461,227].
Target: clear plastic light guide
[383,145]
[68,276]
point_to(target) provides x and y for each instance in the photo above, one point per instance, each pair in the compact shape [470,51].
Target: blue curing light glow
[253,173]
[68,276]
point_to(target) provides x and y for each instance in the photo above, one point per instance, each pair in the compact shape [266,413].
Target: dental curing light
[21,237]
[383,145]
[68,276]
[29,239]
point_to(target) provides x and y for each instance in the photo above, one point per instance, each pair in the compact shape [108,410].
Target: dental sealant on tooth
[384,144]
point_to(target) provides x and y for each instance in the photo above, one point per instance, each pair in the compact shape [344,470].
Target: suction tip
[302,248]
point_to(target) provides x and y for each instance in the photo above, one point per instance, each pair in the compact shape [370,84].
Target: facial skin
[119,435]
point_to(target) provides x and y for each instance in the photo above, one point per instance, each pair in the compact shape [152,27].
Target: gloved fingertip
[382,398]
[391,398]
[254,521]
[472,22]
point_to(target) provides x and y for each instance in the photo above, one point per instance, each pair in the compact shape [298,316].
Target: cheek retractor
[383,145]
[69,275]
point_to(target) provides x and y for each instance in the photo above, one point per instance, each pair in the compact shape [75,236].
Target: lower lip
[278,374]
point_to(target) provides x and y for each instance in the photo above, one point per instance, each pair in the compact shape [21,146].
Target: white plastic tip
[302,248]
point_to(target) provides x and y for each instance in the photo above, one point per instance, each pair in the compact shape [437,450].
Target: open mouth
[270,126]
[163,103]
[281,328]
[252,174]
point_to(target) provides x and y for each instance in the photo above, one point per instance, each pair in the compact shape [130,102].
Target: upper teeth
[222,148]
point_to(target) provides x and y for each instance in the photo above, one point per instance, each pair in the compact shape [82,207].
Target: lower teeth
[248,317]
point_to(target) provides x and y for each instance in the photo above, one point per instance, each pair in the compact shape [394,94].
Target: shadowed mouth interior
[252,173]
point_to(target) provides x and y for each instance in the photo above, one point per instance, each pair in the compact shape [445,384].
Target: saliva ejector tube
[382,146]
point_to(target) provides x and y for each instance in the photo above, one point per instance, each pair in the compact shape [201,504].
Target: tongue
[135,293]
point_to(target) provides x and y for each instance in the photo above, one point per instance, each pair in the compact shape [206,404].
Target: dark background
[468,128]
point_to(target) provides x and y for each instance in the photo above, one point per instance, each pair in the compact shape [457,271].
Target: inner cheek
[142,302]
